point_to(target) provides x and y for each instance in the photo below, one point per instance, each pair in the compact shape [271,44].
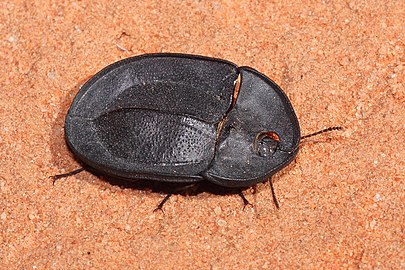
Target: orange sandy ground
[342,200]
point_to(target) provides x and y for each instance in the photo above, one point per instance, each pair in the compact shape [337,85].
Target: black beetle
[183,118]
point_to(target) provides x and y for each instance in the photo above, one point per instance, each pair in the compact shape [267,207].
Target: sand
[341,200]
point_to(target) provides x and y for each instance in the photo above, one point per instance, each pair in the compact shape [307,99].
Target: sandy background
[342,200]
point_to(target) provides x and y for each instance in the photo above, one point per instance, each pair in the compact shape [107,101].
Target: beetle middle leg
[188,189]
[245,201]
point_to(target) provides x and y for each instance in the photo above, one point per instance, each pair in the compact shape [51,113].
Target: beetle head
[260,134]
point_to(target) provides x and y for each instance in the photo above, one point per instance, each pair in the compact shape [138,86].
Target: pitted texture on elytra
[196,86]
[152,115]
[173,117]
[153,137]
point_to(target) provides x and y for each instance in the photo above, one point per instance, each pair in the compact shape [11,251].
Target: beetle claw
[160,206]
[158,209]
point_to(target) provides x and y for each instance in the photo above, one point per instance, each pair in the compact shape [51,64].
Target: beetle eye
[266,143]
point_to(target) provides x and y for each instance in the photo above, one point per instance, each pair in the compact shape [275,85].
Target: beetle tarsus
[245,201]
[63,175]
[273,194]
[160,206]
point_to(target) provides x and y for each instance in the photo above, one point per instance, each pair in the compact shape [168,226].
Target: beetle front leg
[273,194]
[160,206]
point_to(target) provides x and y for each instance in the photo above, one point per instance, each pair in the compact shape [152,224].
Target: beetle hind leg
[63,175]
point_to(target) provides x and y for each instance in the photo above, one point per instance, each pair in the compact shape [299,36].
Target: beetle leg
[160,206]
[63,175]
[273,194]
[245,201]
[187,190]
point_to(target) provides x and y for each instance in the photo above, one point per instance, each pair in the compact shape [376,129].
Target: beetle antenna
[321,131]
[313,134]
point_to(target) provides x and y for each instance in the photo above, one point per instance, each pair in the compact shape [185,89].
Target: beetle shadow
[64,160]
[186,189]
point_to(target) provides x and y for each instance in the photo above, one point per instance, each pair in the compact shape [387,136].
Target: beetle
[183,119]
